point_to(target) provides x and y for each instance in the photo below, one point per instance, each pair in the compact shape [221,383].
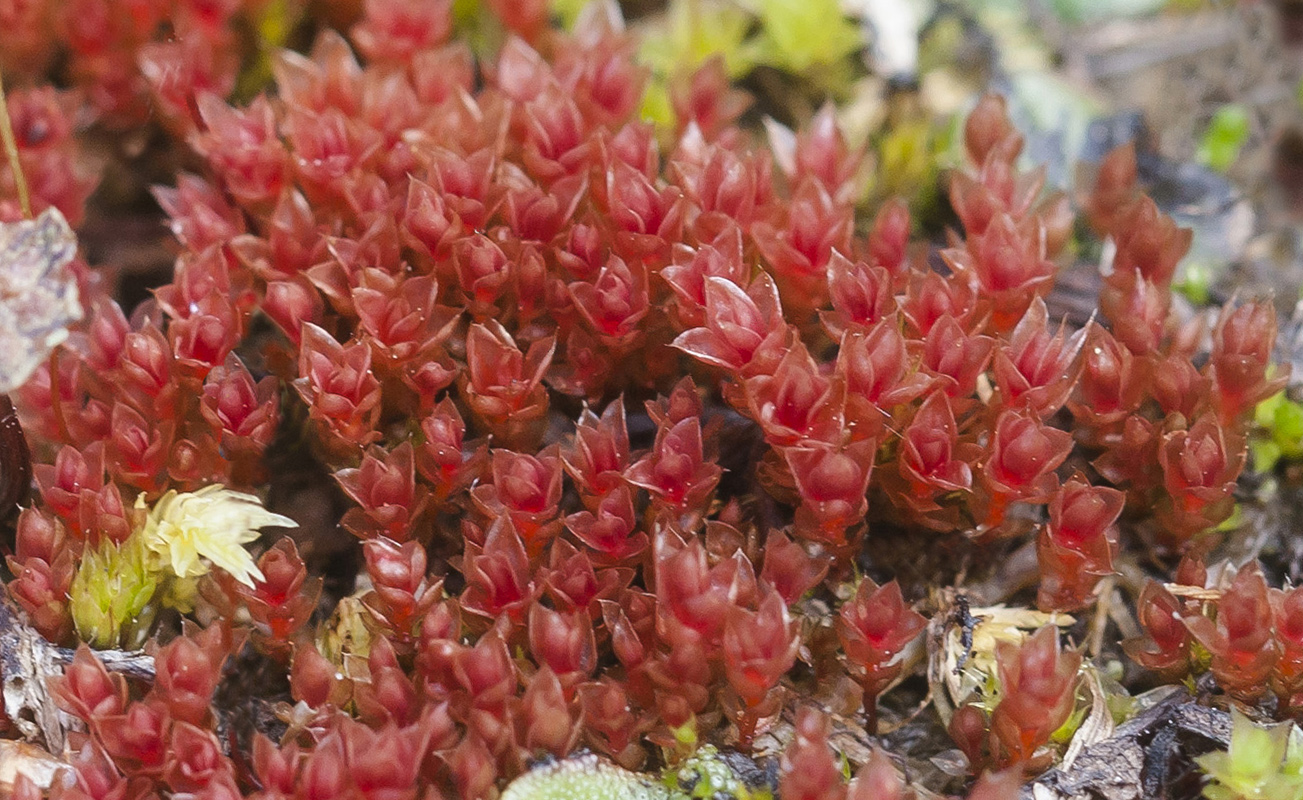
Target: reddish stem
[746,727]
[870,712]
[56,398]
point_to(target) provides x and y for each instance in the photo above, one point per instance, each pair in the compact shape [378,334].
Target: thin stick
[11,153]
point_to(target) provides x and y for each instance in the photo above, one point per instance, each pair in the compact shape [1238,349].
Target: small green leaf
[272,26]
[1287,428]
[1280,431]
[656,107]
[1265,455]
[1265,412]
[1195,283]
[1068,729]
[1234,522]
[686,734]
[1225,136]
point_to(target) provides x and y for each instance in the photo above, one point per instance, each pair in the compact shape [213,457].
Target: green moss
[708,775]
[811,39]
[1262,763]
[799,36]
[111,595]
[694,32]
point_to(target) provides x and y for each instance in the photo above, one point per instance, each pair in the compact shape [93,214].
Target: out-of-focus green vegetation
[1280,432]
[1225,136]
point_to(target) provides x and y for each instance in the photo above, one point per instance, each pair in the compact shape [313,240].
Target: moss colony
[568,431]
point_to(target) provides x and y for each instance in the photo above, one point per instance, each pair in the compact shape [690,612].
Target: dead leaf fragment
[38,293]
[20,758]
[1098,724]
[961,659]
[27,662]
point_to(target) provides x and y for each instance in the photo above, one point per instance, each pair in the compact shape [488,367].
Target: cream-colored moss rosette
[213,525]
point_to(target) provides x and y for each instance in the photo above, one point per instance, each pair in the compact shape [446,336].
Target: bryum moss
[525,338]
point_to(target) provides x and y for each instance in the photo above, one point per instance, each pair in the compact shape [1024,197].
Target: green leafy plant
[112,593]
[1263,762]
[115,595]
[589,426]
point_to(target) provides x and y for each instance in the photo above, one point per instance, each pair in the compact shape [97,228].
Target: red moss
[460,271]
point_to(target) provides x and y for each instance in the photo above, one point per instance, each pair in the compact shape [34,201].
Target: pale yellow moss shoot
[211,525]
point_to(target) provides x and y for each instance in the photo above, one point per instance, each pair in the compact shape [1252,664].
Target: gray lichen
[707,775]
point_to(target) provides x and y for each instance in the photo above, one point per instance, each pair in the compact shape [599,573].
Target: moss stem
[11,153]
